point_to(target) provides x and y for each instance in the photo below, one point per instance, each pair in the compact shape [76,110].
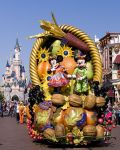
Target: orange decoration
[100,131]
[28,112]
[43,68]
[91,117]
[69,64]
[58,117]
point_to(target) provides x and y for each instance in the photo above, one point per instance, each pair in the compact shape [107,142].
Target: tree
[1,97]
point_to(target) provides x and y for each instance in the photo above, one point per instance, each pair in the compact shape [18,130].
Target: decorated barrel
[67,103]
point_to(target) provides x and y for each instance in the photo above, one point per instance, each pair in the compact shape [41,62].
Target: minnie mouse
[59,74]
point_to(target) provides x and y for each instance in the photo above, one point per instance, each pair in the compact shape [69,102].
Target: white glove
[53,69]
[73,76]
[69,76]
[79,78]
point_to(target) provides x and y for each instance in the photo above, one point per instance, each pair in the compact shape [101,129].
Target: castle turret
[16,59]
[23,73]
[7,92]
[17,50]
[7,67]
[7,72]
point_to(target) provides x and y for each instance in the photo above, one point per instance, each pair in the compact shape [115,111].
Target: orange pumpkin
[69,64]
[43,68]
[91,117]
[58,117]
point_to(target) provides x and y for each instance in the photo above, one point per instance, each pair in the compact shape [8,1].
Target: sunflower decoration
[47,90]
[42,55]
[43,62]
[65,51]
[66,90]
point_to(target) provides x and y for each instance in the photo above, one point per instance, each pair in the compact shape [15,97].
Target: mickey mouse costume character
[59,77]
[80,74]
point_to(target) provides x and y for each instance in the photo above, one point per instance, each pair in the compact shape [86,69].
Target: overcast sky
[20,18]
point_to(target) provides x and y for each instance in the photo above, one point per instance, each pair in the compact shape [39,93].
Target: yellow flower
[65,51]
[42,54]
[66,105]
[46,89]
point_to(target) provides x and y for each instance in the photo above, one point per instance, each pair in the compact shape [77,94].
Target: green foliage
[1,97]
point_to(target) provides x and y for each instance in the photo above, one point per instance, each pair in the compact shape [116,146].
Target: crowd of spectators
[113,112]
[13,109]
[116,112]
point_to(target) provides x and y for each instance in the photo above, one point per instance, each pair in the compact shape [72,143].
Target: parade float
[67,100]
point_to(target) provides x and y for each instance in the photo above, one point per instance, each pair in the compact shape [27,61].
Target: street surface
[14,136]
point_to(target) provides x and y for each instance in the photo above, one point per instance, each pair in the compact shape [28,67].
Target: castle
[14,79]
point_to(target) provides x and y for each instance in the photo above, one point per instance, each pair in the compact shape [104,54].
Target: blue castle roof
[23,69]
[7,65]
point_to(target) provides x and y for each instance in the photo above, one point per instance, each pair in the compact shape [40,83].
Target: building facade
[14,79]
[109,47]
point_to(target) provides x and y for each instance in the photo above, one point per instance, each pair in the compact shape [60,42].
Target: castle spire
[7,64]
[17,46]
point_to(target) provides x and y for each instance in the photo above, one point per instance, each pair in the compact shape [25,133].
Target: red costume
[59,78]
